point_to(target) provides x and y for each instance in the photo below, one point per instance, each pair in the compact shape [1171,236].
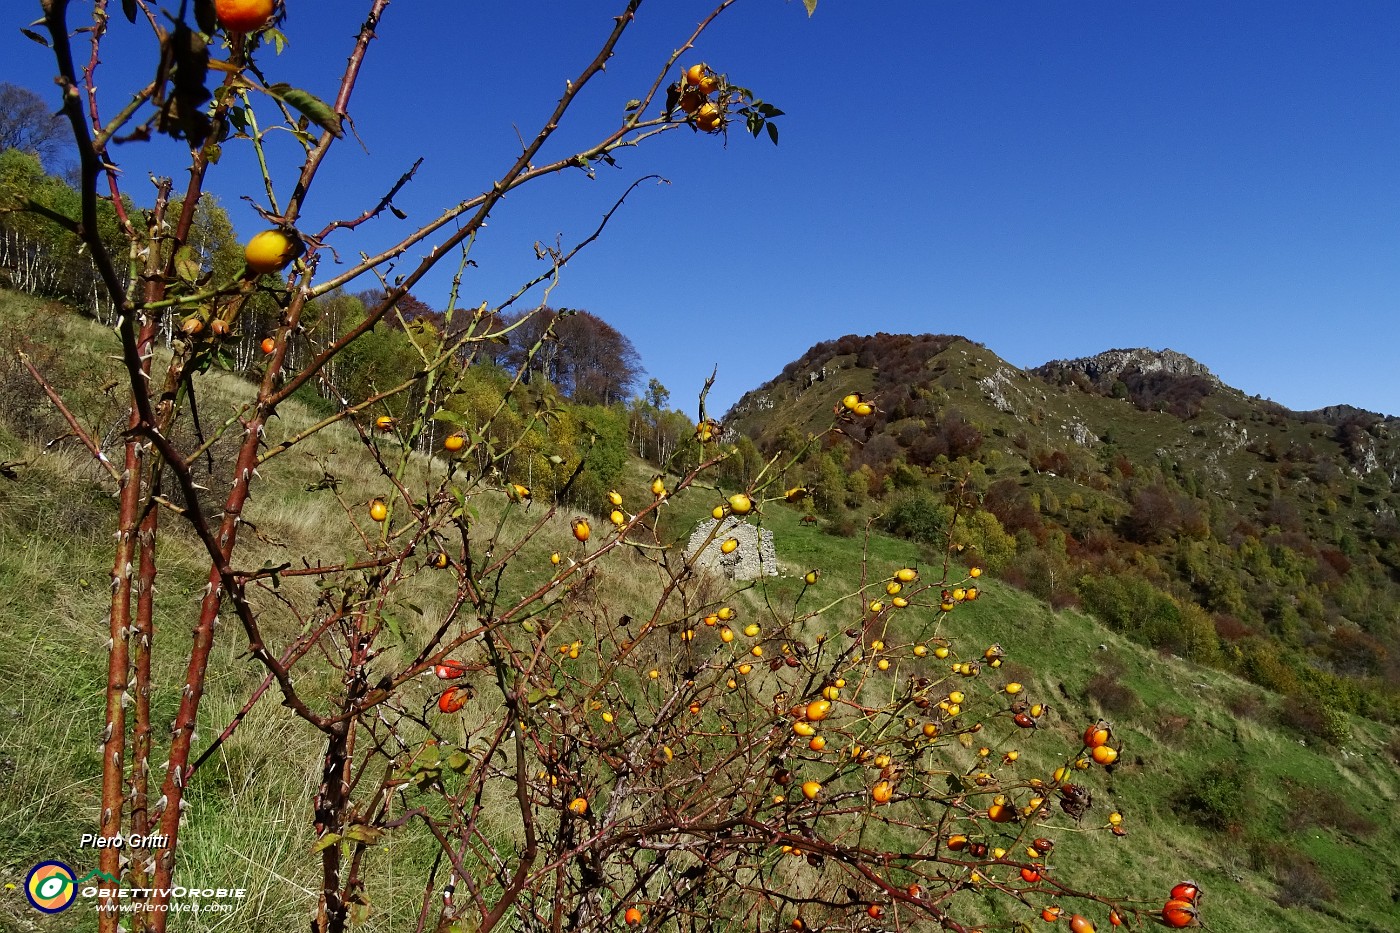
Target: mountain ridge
[1101,369]
[1275,534]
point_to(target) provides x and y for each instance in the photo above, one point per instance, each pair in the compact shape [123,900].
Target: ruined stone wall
[754,557]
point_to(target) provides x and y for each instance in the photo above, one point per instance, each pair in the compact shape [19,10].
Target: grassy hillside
[1283,835]
[1269,536]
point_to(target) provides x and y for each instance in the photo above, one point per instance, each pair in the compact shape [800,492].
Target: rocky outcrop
[750,404]
[1080,433]
[1103,368]
[1153,380]
[1001,385]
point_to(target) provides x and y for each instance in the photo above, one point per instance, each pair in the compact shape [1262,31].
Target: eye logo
[50,887]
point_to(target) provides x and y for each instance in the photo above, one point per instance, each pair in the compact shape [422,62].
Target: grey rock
[754,557]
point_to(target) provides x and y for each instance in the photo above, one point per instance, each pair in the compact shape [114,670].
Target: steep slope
[1212,783]
[1270,537]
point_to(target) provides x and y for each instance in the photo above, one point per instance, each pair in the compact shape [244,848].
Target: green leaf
[811,6]
[773,132]
[187,266]
[310,106]
[391,622]
[426,768]
[450,417]
[325,842]
[459,761]
[632,105]
[359,832]
[359,913]
[29,33]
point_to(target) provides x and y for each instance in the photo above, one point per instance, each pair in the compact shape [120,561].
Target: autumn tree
[587,358]
[41,253]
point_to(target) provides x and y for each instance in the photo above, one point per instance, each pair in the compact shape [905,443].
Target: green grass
[249,817]
[1182,726]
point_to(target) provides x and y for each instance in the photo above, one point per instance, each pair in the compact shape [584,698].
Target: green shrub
[1219,797]
[917,515]
[1315,716]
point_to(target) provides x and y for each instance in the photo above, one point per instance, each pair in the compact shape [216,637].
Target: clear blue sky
[1049,178]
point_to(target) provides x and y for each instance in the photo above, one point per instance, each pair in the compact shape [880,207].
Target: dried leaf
[206,17]
[185,61]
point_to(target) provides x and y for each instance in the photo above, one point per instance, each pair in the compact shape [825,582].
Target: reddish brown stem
[182,732]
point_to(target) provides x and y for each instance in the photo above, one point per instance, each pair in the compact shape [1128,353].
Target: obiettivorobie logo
[52,887]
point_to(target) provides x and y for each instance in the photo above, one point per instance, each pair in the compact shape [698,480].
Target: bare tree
[27,124]
[584,356]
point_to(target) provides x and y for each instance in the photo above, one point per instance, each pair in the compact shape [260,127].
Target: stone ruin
[754,557]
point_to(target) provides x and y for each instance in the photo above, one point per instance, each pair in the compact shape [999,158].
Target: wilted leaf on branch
[310,106]
[359,832]
[184,63]
[205,15]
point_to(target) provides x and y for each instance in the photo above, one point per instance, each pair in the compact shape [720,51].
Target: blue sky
[1051,179]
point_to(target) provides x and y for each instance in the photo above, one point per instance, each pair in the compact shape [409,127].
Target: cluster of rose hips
[692,94]
[856,405]
[1180,910]
[1096,739]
